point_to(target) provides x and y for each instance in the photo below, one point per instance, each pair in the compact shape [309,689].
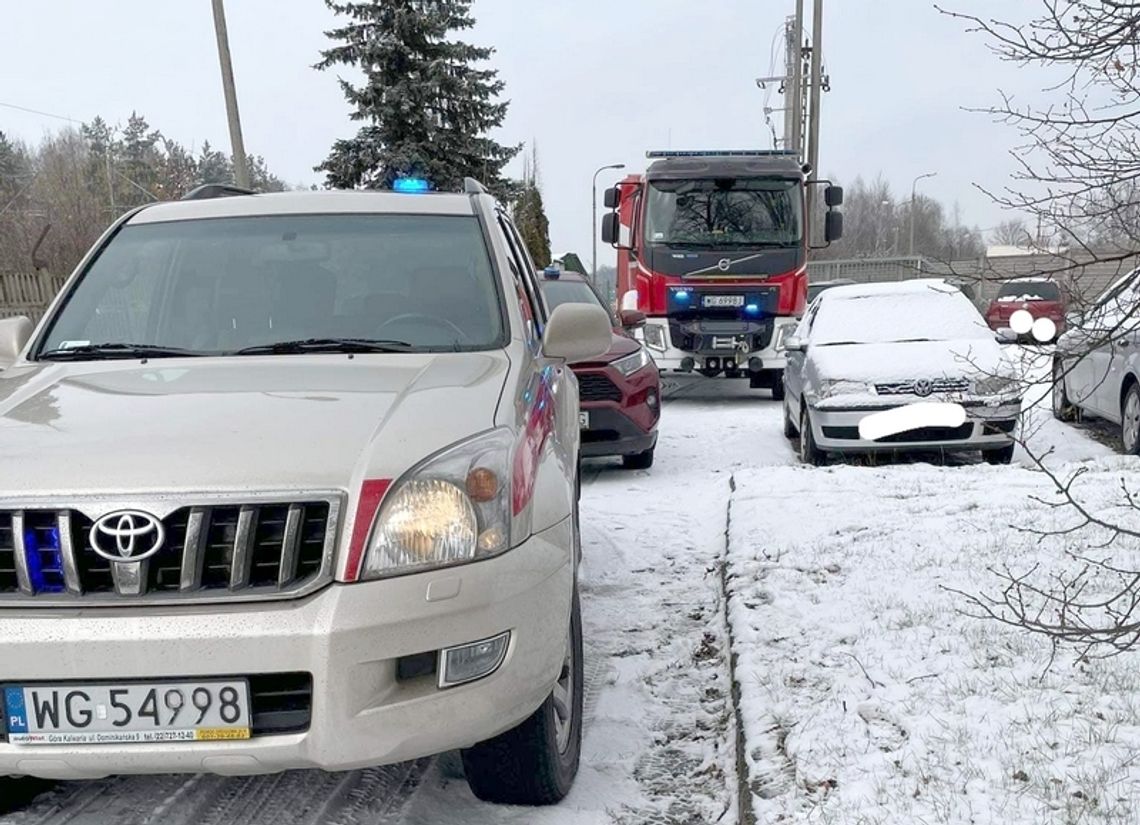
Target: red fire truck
[712,247]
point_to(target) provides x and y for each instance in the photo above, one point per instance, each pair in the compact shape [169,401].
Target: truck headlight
[996,385]
[452,508]
[831,387]
[632,363]
[654,335]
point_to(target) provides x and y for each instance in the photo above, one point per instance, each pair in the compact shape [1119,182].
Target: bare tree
[1011,233]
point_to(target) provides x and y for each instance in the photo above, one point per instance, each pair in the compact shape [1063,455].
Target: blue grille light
[752,309]
[410,186]
[682,295]
[45,562]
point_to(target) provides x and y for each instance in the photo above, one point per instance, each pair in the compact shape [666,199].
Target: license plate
[724,300]
[125,713]
[584,420]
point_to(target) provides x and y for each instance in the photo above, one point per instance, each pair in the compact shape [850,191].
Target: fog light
[688,364]
[651,399]
[469,662]
[755,364]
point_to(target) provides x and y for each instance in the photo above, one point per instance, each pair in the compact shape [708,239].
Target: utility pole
[913,205]
[791,53]
[795,96]
[241,171]
[816,94]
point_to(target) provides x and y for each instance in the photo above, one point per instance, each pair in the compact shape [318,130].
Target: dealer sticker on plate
[125,713]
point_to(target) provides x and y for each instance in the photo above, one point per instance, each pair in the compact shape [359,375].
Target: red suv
[620,393]
[1041,297]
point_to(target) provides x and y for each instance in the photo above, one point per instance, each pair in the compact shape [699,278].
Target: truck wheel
[758,381]
[638,461]
[778,388]
[1002,455]
[536,762]
[1063,408]
[810,453]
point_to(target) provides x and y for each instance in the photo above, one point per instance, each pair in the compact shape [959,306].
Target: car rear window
[1029,291]
[556,293]
[219,285]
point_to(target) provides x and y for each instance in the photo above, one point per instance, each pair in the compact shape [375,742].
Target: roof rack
[473,187]
[721,153]
[215,190]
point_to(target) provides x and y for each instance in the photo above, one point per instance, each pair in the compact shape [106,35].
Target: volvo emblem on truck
[127,536]
[724,264]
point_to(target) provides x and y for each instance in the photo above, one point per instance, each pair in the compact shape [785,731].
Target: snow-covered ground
[869,695]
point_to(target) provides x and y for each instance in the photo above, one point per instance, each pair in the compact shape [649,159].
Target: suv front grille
[263,550]
[937,385]
[595,386]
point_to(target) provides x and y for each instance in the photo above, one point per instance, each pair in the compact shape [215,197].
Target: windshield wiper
[307,345]
[99,352]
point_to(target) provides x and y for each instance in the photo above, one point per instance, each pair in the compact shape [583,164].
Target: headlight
[996,385]
[782,332]
[654,335]
[830,387]
[632,363]
[452,508]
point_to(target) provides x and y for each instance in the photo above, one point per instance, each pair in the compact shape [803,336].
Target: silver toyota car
[290,481]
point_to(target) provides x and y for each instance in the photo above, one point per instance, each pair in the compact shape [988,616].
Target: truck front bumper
[347,637]
[657,339]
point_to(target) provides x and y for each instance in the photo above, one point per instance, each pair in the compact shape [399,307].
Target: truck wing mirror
[611,228]
[833,226]
[613,197]
[833,196]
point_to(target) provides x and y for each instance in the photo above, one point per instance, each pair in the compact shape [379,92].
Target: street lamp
[594,225]
[913,196]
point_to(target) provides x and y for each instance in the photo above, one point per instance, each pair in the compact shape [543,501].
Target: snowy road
[659,732]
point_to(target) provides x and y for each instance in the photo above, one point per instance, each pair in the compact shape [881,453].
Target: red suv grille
[595,386]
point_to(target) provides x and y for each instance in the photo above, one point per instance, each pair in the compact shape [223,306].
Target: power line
[40,113]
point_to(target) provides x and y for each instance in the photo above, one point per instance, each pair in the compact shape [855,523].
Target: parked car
[289,481]
[620,392]
[862,350]
[1097,363]
[817,287]
[1041,297]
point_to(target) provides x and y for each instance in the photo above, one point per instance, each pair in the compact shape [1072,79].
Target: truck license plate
[724,300]
[127,713]
[584,420]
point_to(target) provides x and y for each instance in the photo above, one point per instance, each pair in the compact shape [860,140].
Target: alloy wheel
[1131,428]
[564,700]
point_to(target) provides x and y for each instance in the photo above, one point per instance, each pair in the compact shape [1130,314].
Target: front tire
[638,461]
[1063,408]
[1002,455]
[790,431]
[535,763]
[1130,421]
[810,453]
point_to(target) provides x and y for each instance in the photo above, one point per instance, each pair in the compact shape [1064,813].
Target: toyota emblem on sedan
[923,387]
[127,536]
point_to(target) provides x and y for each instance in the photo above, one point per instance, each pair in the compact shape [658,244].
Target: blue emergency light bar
[721,153]
[411,185]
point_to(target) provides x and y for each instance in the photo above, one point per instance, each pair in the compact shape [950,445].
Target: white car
[1096,369]
[289,481]
[864,350]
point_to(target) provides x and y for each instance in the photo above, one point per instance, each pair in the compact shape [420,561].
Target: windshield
[222,285]
[556,293]
[1029,291]
[724,212]
[887,318]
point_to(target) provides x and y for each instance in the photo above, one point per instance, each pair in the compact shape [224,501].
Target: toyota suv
[289,481]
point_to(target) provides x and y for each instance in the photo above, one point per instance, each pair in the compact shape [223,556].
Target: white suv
[290,481]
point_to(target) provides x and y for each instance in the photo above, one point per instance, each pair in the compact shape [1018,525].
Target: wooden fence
[27,293]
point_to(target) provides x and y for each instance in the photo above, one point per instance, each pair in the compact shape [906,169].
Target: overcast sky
[590,81]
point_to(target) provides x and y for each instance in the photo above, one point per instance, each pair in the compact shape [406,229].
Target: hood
[233,424]
[881,363]
[620,346]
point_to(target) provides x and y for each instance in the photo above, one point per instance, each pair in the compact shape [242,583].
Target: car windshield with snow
[864,354]
[299,474]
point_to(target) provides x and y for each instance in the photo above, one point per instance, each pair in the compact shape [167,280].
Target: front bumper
[624,423]
[348,637]
[669,357]
[836,429]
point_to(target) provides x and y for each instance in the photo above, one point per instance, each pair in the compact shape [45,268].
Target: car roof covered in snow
[344,202]
[917,286]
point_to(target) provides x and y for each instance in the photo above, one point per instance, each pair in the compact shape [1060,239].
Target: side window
[524,274]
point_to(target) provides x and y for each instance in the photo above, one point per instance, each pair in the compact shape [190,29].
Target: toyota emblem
[923,388]
[724,264]
[127,536]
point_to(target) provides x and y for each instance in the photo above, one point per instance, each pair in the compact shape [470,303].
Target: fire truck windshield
[719,212]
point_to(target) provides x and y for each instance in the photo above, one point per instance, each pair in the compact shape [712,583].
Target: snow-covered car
[867,349]
[289,481]
[1096,368]
[620,392]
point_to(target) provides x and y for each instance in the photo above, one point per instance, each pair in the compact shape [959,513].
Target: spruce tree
[426,105]
[530,215]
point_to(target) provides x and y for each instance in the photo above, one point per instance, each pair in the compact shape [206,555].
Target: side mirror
[795,344]
[632,318]
[577,332]
[833,196]
[611,228]
[833,226]
[612,198]
[14,336]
